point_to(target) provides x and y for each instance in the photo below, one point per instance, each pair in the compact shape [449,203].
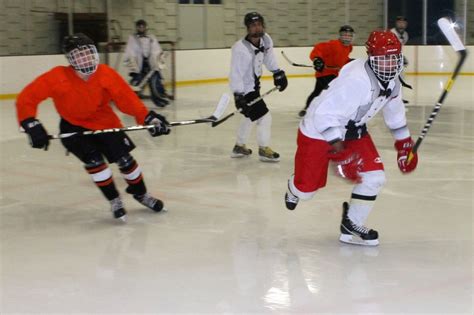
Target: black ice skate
[150,202]
[356,234]
[291,201]
[117,209]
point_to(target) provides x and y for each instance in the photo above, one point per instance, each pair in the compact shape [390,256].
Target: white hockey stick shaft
[447,27]
[220,109]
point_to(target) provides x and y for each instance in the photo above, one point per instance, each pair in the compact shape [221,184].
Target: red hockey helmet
[383,43]
[385,54]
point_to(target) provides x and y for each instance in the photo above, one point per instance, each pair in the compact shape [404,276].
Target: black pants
[112,145]
[321,84]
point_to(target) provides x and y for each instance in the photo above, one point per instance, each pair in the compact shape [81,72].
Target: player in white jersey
[142,55]
[334,130]
[400,28]
[248,55]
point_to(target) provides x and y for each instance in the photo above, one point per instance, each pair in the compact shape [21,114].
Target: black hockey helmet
[140,22]
[77,40]
[346,28]
[253,17]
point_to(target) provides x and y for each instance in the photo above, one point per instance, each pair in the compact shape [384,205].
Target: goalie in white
[334,130]
[142,55]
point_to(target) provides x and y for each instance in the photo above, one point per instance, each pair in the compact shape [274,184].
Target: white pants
[264,132]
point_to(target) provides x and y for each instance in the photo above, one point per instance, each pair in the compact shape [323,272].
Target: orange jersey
[82,103]
[333,53]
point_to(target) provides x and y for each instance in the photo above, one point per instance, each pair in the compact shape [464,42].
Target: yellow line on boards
[225,80]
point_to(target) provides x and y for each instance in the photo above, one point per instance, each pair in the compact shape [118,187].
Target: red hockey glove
[404,148]
[348,164]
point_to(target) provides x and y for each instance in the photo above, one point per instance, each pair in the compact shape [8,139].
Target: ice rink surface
[227,243]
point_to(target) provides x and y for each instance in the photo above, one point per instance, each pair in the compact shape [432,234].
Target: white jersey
[139,47]
[246,63]
[355,95]
[402,37]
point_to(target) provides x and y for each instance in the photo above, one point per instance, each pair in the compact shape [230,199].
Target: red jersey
[82,103]
[333,53]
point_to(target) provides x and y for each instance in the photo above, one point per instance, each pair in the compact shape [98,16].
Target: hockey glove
[318,64]
[404,148]
[241,103]
[136,78]
[279,79]
[38,137]
[348,164]
[160,122]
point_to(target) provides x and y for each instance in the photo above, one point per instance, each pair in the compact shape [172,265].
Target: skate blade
[356,240]
[122,219]
[238,155]
[269,160]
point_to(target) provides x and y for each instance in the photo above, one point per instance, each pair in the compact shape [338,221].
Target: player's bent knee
[125,161]
[300,194]
[372,183]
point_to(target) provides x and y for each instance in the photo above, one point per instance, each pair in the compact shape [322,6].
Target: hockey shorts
[312,161]
[112,145]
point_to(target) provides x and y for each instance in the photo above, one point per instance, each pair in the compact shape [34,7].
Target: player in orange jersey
[328,58]
[82,93]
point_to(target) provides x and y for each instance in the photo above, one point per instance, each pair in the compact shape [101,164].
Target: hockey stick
[218,122]
[144,81]
[220,109]
[447,27]
[302,65]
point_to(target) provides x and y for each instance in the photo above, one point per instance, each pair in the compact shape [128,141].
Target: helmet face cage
[346,37]
[386,67]
[84,59]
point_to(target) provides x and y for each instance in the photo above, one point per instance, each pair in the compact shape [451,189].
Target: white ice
[228,244]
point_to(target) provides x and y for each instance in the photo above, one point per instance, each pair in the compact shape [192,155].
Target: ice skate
[240,151]
[356,234]
[150,202]
[291,201]
[118,210]
[266,154]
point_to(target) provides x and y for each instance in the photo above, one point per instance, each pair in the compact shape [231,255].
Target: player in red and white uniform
[334,129]
[248,56]
[328,58]
[82,93]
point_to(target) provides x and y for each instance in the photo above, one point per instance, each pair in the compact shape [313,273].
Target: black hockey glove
[241,103]
[318,64]
[38,137]
[279,79]
[160,122]
[136,78]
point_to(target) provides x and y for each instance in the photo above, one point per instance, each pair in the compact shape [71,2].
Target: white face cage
[386,67]
[84,59]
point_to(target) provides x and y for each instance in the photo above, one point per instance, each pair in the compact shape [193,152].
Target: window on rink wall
[422,17]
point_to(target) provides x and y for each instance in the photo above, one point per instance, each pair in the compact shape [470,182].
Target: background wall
[214,64]
[31,26]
